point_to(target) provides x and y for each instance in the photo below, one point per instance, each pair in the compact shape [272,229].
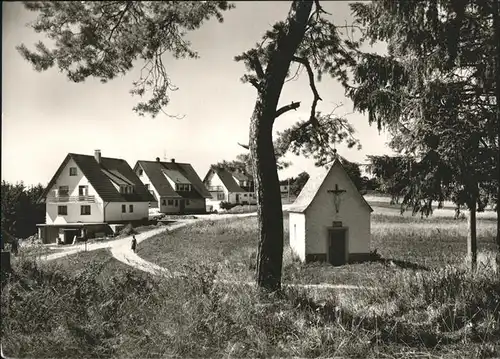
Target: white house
[284,188]
[330,219]
[90,192]
[233,187]
[176,187]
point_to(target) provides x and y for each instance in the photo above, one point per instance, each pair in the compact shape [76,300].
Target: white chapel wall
[352,212]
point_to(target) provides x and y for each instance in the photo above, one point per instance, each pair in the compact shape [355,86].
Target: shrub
[127,230]
[226,205]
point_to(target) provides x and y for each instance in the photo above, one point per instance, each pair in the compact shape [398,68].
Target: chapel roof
[313,185]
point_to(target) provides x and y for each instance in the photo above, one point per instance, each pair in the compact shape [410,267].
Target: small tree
[20,210]
[299,183]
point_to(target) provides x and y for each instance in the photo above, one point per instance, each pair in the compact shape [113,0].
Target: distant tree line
[20,212]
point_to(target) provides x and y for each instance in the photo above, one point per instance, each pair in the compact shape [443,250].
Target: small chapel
[330,219]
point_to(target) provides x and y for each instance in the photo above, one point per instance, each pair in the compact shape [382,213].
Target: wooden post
[472,238]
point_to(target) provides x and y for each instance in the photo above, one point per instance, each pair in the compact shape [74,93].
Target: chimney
[97,155]
[172,160]
[157,159]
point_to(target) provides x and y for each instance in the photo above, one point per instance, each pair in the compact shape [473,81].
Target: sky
[45,116]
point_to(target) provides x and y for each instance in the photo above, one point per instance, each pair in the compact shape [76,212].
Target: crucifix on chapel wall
[336,196]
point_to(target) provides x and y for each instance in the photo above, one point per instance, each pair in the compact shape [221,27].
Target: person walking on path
[134,243]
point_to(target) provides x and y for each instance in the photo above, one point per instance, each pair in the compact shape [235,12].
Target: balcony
[215,189]
[70,199]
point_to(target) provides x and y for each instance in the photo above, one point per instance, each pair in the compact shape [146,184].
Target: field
[404,243]
[425,305]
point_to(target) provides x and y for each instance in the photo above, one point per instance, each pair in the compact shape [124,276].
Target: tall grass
[49,312]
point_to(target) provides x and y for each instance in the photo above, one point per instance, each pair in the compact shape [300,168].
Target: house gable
[139,171]
[227,179]
[100,176]
[73,182]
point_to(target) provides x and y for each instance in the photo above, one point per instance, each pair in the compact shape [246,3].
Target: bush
[226,205]
[128,230]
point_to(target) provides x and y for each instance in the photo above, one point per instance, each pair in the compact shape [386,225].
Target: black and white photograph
[250,179]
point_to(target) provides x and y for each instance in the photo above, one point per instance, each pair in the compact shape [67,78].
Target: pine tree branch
[314,90]
[254,60]
[122,14]
[247,147]
[255,83]
[292,106]
[319,8]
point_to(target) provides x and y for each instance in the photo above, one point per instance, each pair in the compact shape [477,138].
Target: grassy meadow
[425,305]
[405,243]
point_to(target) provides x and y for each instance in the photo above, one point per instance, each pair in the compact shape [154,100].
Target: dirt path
[121,250]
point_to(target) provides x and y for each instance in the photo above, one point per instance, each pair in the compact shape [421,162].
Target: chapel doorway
[337,246]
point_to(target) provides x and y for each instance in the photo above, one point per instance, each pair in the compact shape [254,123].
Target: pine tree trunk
[270,215]
[496,36]
[269,212]
[472,238]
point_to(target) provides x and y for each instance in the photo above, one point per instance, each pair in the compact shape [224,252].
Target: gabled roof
[227,179]
[156,171]
[101,175]
[240,176]
[312,186]
[116,179]
[176,176]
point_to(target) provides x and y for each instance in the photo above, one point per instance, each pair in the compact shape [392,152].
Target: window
[124,208]
[85,210]
[140,172]
[131,208]
[63,191]
[180,187]
[62,210]
[83,190]
[73,171]
[126,189]
[176,203]
[170,202]
[244,195]
[163,202]
[220,196]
